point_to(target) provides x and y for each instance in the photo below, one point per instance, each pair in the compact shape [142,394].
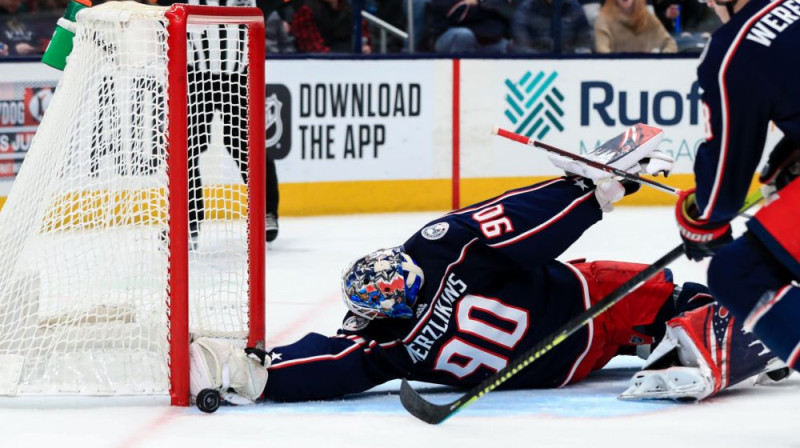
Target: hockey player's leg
[199,125]
[240,378]
[742,272]
[234,121]
[621,325]
[774,320]
[641,307]
[745,278]
[273,199]
[703,351]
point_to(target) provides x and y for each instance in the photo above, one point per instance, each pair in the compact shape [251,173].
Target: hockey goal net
[137,218]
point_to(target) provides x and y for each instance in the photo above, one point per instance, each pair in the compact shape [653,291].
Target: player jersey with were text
[749,76]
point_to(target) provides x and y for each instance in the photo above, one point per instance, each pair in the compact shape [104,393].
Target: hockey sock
[774,320]
[741,273]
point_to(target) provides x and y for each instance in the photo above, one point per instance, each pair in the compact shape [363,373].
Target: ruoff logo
[534,104]
[279,121]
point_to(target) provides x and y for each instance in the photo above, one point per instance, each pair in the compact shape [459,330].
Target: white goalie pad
[692,380]
[675,383]
[704,351]
[623,152]
[220,366]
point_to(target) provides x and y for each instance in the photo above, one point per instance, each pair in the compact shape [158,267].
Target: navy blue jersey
[492,289]
[749,76]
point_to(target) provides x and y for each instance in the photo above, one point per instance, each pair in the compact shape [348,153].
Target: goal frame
[179,16]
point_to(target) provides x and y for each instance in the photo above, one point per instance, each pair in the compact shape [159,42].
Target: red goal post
[137,220]
[181,15]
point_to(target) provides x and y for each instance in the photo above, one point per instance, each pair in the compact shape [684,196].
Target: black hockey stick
[436,413]
[578,158]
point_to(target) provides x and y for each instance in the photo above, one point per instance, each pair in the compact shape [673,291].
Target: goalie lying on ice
[459,299]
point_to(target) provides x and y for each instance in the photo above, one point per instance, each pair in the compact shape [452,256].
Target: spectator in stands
[668,14]
[52,5]
[591,8]
[279,36]
[419,10]
[17,36]
[325,26]
[277,17]
[626,26]
[11,7]
[394,13]
[471,26]
[679,16]
[532,27]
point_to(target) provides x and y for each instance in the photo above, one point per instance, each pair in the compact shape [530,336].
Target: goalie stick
[436,413]
[592,163]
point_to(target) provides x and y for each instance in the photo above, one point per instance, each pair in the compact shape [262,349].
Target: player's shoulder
[450,229]
[754,28]
[733,49]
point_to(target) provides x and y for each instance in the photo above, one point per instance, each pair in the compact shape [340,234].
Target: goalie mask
[382,284]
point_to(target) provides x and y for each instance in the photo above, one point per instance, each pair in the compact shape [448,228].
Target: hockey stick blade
[423,409]
[578,158]
[432,413]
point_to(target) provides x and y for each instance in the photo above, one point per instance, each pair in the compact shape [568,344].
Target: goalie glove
[634,151]
[657,163]
[653,162]
[703,352]
[238,376]
[608,191]
[700,238]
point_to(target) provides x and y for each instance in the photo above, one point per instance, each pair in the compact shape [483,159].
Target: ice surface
[303,267]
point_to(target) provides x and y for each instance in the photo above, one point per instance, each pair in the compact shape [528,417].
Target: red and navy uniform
[492,290]
[749,78]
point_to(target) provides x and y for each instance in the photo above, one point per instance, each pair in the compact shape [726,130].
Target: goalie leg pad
[711,343]
[639,308]
[221,366]
[674,383]
[616,327]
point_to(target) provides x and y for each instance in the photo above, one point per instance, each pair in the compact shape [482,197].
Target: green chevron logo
[534,104]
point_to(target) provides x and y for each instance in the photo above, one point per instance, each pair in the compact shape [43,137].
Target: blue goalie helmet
[382,284]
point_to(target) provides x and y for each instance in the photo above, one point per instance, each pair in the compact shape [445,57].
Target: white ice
[303,270]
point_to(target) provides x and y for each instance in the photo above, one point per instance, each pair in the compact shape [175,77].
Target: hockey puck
[208,400]
[777,375]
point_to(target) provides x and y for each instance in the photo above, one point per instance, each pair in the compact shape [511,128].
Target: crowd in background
[439,26]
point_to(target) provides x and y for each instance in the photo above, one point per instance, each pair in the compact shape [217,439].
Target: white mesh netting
[84,266]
